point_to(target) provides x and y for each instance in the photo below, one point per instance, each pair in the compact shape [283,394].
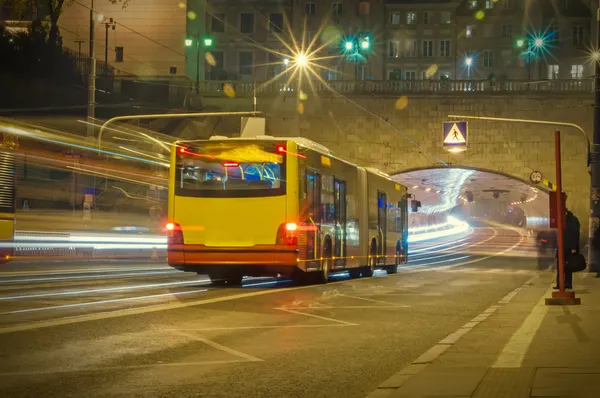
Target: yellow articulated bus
[271,206]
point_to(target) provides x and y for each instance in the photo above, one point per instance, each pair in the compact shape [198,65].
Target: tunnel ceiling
[442,188]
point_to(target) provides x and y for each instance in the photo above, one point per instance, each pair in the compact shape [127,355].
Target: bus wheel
[354,273]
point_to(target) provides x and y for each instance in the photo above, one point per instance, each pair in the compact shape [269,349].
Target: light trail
[66,278]
[90,303]
[111,289]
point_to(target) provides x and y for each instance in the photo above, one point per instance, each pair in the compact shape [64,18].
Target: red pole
[560,215]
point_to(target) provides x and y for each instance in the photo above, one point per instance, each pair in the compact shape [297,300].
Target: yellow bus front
[233,208]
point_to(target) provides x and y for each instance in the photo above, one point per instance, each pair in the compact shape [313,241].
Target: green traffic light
[208,42]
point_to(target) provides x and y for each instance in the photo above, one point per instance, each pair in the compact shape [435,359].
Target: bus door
[381,223]
[313,212]
[339,188]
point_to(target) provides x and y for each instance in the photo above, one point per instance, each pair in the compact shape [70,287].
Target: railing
[243,88]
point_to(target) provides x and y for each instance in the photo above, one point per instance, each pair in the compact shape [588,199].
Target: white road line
[367,299]
[90,303]
[262,327]
[324,318]
[124,367]
[111,289]
[116,275]
[219,346]
[514,351]
[12,274]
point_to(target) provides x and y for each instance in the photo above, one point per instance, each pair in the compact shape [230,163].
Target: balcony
[394,87]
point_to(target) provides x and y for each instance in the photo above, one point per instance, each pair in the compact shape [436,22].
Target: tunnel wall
[515,149]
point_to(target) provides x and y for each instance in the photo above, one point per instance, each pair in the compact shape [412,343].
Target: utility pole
[594,257]
[91,113]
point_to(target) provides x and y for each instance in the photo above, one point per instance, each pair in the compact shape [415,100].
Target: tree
[45,9]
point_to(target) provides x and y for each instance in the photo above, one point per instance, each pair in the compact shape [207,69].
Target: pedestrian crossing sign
[455,135]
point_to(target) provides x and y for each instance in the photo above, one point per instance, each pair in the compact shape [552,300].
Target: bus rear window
[230,169]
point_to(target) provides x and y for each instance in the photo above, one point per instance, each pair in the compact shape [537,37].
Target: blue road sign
[455,134]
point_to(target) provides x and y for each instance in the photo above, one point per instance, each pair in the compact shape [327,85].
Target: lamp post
[208,42]
[91,109]
[468,63]
[355,46]
[110,23]
[286,62]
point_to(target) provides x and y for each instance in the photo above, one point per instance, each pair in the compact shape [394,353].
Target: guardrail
[243,88]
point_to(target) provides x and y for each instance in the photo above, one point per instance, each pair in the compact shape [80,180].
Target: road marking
[349,307]
[514,351]
[111,289]
[323,318]
[9,274]
[68,278]
[89,303]
[124,367]
[219,346]
[368,299]
[263,327]
[454,337]
[431,354]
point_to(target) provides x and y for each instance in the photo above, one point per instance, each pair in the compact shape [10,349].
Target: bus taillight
[286,234]
[174,234]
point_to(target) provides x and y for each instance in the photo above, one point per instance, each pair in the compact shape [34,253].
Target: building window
[473,4]
[247,23]
[118,54]
[411,18]
[395,18]
[361,72]
[428,48]
[506,30]
[395,74]
[507,57]
[310,8]
[566,4]
[508,4]
[246,59]
[276,23]
[444,48]
[577,35]
[489,4]
[445,17]
[336,8]
[444,75]
[364,8]
[552,72]
[488,59]
[426,18]
[393,49]
[217,23]
[470,31]
[576,71]
[554,35]
[215,71]
[488,31]
[410,48]
[410,75]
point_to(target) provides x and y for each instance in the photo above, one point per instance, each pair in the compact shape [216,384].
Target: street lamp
[468,63]
[301,59]
[354,46]
[348,45]
[109,23]
[208,42]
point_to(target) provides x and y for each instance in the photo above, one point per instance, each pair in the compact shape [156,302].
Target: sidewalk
[517,348]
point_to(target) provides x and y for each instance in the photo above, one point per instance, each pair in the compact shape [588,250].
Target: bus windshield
[230,169]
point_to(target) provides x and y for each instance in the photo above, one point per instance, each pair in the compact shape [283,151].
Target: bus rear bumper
[259,260]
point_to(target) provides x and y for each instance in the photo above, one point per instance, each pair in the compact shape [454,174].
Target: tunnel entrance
[466,192]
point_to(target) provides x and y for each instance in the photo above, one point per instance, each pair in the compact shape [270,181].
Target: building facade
[408,39]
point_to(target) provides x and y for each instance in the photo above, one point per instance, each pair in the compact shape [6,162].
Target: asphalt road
[133,329]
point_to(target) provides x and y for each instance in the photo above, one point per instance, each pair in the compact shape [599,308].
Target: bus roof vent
[377,171]
[312,145]
[218,137]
